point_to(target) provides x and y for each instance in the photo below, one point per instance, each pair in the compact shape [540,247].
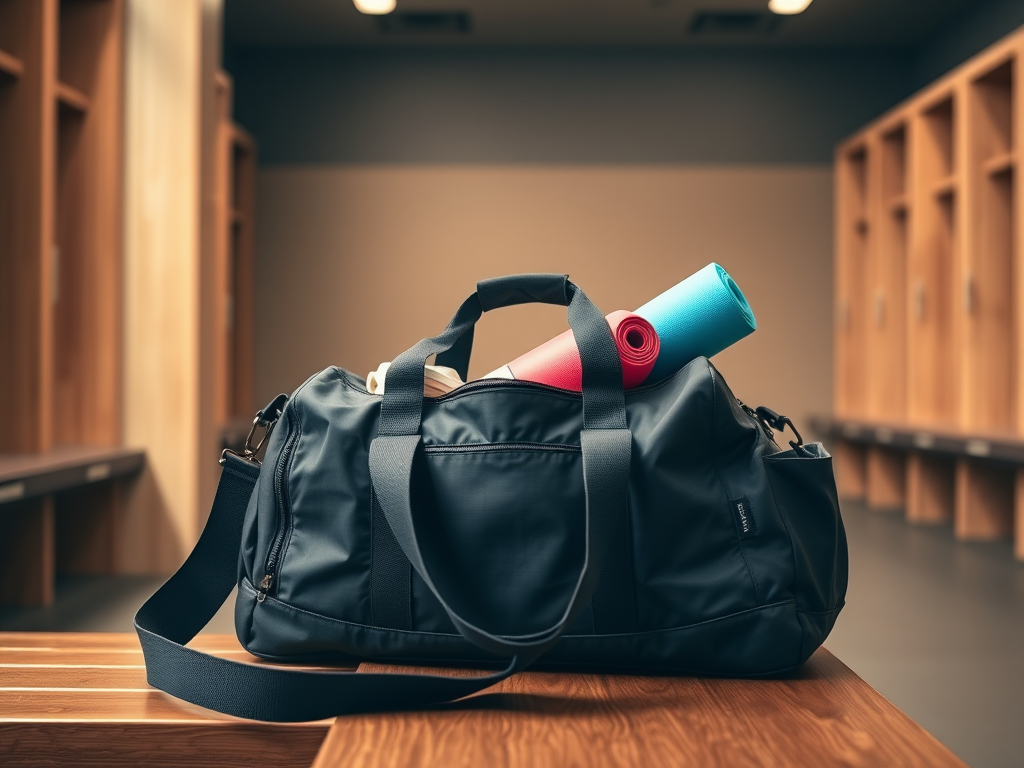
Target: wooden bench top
[27,475]
[83,698]
[976,444]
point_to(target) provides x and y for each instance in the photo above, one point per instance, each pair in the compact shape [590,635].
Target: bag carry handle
[191,597]
[604,403]
[605,442]
[505,292]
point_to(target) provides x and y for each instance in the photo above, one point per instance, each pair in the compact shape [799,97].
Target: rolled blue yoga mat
[700,316]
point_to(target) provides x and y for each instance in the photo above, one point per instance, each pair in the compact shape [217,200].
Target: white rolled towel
[437,380]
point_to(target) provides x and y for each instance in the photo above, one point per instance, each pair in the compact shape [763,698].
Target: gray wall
[324,106]
[316,106]
[963,36]
[425,170]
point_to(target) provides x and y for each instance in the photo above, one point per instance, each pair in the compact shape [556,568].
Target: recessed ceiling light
[376,7]
[784,7]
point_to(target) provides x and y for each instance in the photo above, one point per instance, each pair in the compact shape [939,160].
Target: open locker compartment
[932,368]
[852,249]
[985,494]
[890,200]
[85,269]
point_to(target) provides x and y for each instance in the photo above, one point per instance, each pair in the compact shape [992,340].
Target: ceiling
[626,23]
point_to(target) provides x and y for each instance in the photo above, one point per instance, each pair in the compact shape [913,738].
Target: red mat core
[557,362]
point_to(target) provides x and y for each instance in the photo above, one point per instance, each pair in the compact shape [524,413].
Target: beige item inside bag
[437,380]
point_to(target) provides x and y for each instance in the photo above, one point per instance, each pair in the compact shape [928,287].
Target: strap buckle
[265,419]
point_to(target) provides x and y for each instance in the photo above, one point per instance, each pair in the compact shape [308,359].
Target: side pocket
[804,488]
[247,552]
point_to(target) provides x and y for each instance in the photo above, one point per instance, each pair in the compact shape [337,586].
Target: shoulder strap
[190,598]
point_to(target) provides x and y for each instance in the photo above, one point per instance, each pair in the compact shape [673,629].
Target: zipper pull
[757,419]
[778,422]
[264,588]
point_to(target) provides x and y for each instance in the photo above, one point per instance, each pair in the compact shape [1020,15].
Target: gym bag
[508,523]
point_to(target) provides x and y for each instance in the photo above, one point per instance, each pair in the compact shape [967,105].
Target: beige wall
[355,263]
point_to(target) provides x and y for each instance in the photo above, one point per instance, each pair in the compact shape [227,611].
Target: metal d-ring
[248,451]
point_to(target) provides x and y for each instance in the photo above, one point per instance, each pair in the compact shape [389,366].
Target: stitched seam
[239,473]
[247,587]
[829,612]
[721,480]
[349,383]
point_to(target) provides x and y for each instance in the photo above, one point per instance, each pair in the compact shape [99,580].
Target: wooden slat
[984,501]
[886,479]
[30,675]
[110,640]
[110,705]
[212,744]
[930,488]
[52,654]
[824,715]
[94,656]
[72,98]
[82,699]
[11,65]
[1001,163]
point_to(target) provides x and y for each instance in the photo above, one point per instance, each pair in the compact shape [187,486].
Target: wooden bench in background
[59,513]
[971,478]
[82,699]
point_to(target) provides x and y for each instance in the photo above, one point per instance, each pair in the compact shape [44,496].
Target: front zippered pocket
[282,500]
[477,384]
[502,512]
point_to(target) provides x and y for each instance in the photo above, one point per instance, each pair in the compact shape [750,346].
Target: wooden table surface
[822,716]
[82,698]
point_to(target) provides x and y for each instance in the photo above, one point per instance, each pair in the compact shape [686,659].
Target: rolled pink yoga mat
[557,362]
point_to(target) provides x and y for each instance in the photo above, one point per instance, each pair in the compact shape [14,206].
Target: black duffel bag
[507,522]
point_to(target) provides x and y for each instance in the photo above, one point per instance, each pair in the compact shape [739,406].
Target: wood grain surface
[824,715]
[82,699]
